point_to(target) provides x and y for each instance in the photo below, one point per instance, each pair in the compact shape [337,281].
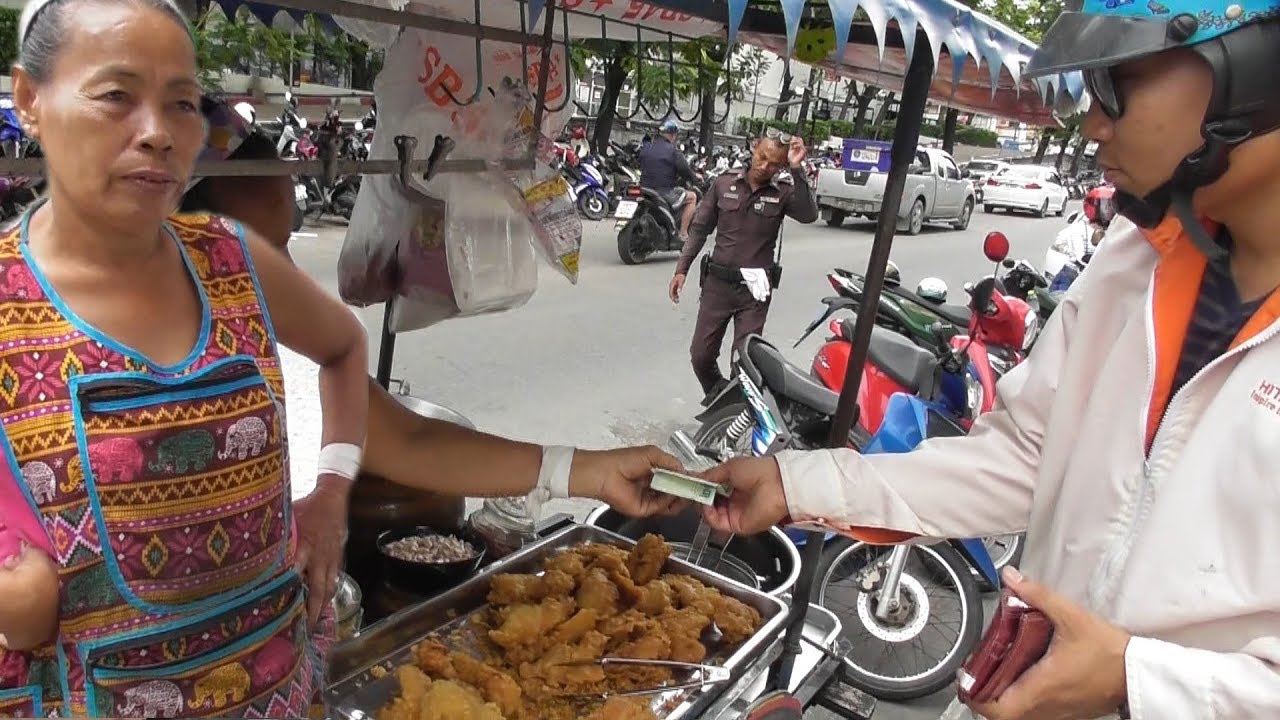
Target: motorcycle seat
[957,314]
[902,360]
[788,380]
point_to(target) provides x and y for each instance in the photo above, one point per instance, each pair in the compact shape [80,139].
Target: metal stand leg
[915,93]
[386,350]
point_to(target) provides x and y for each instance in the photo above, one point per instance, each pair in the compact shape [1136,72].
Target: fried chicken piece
[497,687]
[655,598]
[562,668]
[736,620]
[569,562]
[595,552]
[434,659]
[646,559]
[598,593]
[623,708]
[408,703]
[512,589]
[448,700]
[524,625]
[575,627]
[651,644]
[692,594]
[622,625]
[685,628]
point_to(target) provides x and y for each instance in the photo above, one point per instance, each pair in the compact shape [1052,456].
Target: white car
[1026,187]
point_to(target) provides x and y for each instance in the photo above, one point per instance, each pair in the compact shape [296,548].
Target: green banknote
[687,487]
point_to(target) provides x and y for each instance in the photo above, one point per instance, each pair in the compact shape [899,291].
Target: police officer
[746,209]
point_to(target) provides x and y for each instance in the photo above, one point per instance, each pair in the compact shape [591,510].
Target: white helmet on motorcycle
[892,275]
[246,111]
[932,289]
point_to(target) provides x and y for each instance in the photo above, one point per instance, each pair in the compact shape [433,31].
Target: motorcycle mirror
[1008,263]
[996,246]
[1073,217]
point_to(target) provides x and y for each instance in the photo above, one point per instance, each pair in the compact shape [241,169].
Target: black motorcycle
[646,225]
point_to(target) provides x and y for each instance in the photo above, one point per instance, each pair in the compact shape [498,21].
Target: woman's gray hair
[41,30]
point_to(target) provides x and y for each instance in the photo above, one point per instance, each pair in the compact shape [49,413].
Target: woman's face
[118,116]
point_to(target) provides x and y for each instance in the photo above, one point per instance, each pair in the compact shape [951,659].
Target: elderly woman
[141,398]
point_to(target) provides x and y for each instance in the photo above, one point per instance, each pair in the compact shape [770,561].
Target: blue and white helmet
[1240,41]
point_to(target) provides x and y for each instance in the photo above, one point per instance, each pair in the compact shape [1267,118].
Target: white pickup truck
[935,192]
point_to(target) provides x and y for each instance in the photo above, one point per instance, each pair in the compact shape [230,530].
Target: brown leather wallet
[1018,637]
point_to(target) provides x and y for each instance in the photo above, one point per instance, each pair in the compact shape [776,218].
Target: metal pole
[386,348]
[906,134]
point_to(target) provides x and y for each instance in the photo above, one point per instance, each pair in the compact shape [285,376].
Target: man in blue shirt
[662,166]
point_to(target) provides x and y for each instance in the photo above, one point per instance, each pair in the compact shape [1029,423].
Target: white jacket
[1180,547]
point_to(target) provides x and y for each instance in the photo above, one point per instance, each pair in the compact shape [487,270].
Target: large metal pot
[771,555]
[378,505]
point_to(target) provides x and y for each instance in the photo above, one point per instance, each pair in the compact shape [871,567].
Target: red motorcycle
[957,377]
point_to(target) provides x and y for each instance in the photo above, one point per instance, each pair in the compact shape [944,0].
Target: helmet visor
[1080,41]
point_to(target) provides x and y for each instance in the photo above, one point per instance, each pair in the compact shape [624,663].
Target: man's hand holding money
[757,501]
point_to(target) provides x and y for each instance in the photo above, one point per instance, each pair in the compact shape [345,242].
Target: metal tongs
[704,675]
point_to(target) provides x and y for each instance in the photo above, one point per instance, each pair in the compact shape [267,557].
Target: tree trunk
[815,76]
[949,130]
[1043,146]
[615,76]
[707,124]
[1062,149]
[784,95]
[1079,155]
[883,109]
[865,96]
[850,93]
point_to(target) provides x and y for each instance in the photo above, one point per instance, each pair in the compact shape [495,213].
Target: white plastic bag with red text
[486,252]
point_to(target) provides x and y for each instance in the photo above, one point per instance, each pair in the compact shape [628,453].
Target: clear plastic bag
[485,261]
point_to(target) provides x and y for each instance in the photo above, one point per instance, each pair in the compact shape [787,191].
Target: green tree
[648,67]
[8,37]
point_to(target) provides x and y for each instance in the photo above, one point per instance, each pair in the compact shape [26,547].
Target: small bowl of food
[428,561]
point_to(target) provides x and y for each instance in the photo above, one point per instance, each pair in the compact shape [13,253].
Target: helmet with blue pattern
[1238,39]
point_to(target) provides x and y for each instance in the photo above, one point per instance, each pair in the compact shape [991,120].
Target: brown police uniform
[747,223]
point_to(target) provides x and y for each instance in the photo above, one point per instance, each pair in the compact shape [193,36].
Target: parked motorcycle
[899,592]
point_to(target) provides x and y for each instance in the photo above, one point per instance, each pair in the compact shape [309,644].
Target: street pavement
[606,363]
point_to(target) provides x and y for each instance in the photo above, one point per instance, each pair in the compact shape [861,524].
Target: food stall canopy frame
[978,61]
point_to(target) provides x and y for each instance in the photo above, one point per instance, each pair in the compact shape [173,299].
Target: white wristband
[553,479]
[341,459]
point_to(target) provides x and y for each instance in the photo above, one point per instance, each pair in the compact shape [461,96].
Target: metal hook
[568,67]
[639,65]
[479,72]
[635,87]
[728,87]
[405,147]
[673,108]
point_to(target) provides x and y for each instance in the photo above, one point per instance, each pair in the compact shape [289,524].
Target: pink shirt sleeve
[19,522]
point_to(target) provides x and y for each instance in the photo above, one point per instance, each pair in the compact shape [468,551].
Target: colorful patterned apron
[165,493]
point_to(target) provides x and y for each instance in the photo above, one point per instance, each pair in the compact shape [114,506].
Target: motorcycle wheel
[1004,549]
[935,578]
[626,246]
[716,426]
[345,203]
[592,206]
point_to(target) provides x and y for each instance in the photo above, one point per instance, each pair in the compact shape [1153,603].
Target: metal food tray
[356,694]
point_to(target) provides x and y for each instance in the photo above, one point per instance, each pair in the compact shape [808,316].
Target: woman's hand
[621,478]
[322,535]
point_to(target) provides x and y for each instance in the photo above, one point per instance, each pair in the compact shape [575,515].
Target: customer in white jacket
[1139,445]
